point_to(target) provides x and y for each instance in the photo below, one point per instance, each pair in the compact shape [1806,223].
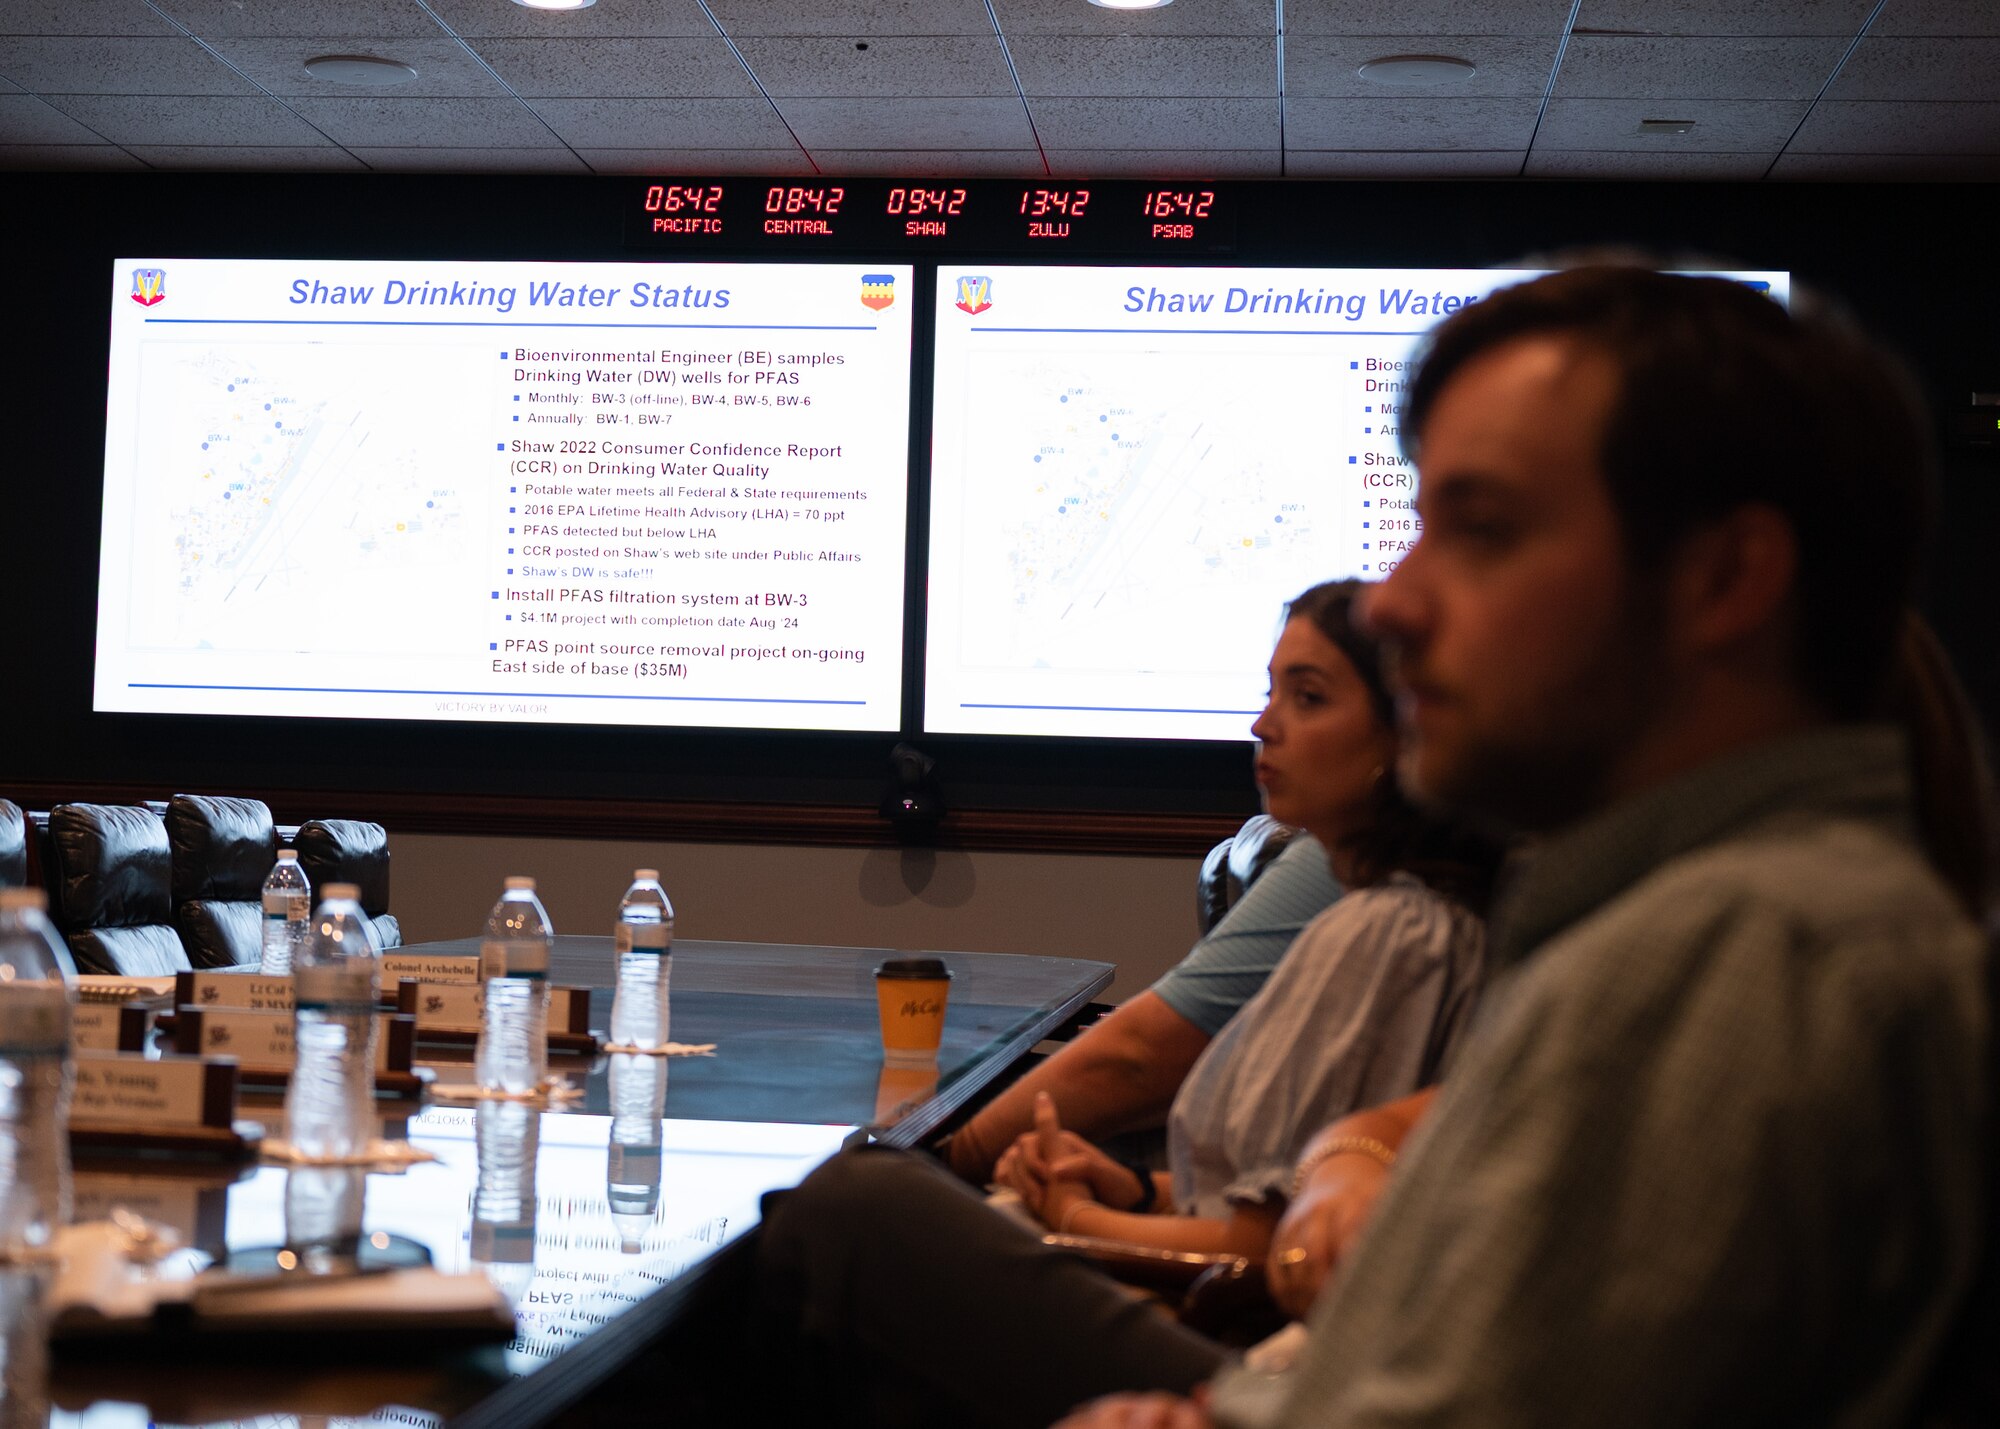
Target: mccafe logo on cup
[910,994]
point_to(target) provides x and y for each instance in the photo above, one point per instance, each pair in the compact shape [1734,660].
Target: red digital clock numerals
[1050,212]
[926,213]
[805,209]
[684,208]
[1175,212]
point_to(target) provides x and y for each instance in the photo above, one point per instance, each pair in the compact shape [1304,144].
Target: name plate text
[427,967]
[107,1027]
[262,1040]
[460,1007]
[231,989]
[123,1089]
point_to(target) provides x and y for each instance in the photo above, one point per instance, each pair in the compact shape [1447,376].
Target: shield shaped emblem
[975,295]
[149,285]
[878,290]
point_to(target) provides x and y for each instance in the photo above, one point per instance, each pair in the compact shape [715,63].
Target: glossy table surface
[634,1186]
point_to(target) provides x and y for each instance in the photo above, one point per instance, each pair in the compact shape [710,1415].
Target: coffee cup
[910,994]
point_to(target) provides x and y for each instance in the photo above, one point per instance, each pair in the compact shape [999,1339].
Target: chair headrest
[112,864]
[222,848]
[347,851]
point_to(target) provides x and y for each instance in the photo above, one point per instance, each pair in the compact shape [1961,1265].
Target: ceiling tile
[1166,163]
[1324,66]
[680,163]
[1740,67]
[1409,125]
[426,123]
[1257,18]
[254,158]
[1470,164]
[892,67]
[81,17]
[187,120]
[886,123]
[65,156]
[1864,127]
[278,64]
[1963,68]
[7,86]
[25,119]
[700,67]
[1625,164]
[471,161]
[1938,17]
[931,164]
[1895,168]
[1147,66]
[485,19]
[858,18]
[665,123]
[1157,123]
[116,66]
[1720,125]
[1424,17]
[1725,17]
[210,18]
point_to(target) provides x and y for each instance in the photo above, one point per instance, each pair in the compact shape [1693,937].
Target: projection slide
[1134,468]
[667,494]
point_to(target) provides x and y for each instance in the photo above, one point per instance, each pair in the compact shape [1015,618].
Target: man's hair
[1725,399]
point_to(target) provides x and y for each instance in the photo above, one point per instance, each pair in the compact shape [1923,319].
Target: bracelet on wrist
[1149,1190]
[1377,1151]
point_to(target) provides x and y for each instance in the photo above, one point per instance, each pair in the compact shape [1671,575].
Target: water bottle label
[524,959]
[284,906]
[652,937]
[34,1016]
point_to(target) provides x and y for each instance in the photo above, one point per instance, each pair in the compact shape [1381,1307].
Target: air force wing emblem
[975,295]
[878,290]
[149,285]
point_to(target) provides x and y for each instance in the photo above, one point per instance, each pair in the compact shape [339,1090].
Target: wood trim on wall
[813,825]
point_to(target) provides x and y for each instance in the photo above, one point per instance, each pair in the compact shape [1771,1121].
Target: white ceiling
[1776,89]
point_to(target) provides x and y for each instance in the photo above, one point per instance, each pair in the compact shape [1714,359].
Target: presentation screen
[1134,468]
[598,493]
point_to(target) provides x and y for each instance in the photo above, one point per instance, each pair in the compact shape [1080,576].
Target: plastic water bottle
[24,1347]
[644,942]
[35,1075]
[508,1137]
[287,913]
[513,1053]
[330,1102]
[632,1158]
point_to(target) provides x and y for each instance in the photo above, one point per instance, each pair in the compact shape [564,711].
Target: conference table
[637,1190]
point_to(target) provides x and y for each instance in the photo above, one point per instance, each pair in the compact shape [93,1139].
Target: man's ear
[1734,579]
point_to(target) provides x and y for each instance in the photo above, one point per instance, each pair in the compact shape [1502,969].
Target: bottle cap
[288,855]
[645,875]
[349,891]
[16,898]
[519,881]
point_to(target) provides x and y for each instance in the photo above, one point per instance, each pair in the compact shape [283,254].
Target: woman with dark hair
[887,1256]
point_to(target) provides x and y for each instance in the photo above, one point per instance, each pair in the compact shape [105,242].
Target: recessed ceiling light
[359,69]
[1665,126]
[557,4]
[1131,4]
[1427,70]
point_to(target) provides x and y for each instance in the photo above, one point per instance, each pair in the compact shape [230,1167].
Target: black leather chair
[223,850]
[110,889]
[357,852]
[13,845]
[1235,863]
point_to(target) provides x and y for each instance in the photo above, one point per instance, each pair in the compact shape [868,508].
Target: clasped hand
[1051,1170]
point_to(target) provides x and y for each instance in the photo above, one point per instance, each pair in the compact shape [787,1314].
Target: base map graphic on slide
[1119,504]
[289,492]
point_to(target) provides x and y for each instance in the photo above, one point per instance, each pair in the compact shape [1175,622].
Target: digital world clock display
[973,216]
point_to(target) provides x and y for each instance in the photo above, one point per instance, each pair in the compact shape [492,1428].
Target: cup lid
[914,968]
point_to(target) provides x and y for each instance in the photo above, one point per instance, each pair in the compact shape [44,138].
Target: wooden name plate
[124,1101]
[212,988]
[108,1026]
[459,968]
[261,1042]
[449,1014]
